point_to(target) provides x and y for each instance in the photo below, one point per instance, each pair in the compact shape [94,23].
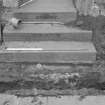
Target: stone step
[48,52]
[46,32]
[47,10]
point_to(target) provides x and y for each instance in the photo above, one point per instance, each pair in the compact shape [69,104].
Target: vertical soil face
[64,78]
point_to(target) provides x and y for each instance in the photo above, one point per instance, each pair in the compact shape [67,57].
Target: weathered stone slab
[46,32]
[48,52]
[6,99]
[47,10]
[64,100]
[74,100]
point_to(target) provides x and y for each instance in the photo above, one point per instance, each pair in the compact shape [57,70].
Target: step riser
[59,17]
[47,37]
[48,52]
[46,32]
[48,57]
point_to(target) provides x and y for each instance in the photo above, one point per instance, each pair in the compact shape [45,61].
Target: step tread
[49,52]
[46,32]
[48,6]
[52,46]
[44,28]
[50,10]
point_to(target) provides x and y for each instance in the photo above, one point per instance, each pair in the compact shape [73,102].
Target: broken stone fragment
[6,99]
[14,22]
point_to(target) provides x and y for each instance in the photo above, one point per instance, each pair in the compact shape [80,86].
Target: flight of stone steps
[43,38]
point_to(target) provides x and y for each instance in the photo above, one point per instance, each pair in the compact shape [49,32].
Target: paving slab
[46,32]
[48,52]
[63,100]
[50,10]
[74,100]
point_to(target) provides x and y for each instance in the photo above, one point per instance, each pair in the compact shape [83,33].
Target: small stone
[39,66]
[35,91]
[42,76]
